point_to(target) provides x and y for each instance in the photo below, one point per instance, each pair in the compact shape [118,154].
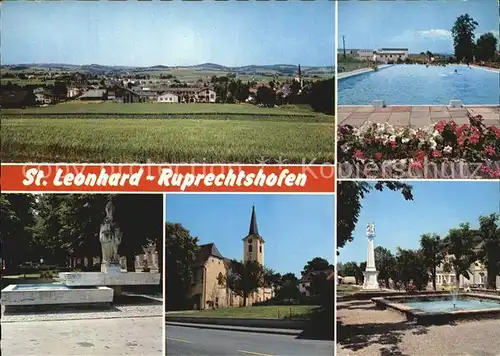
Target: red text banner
[167,178]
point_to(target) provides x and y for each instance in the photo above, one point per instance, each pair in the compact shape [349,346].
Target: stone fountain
[85,287]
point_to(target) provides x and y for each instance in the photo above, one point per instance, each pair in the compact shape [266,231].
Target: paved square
[415,116]
[96,337]
[364,330]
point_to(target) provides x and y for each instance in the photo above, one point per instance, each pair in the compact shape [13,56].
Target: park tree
[385,263]
[322,96]
[432,248]
[348,269]
[463,37]
[265,96]
[460,245]
[271,278]
[349,197]
[289,287]
[68,225]
[489,251]
[17,221]
[245,278]
[181,250]
[140,218]
[317,264]
[486,47]
[410,265]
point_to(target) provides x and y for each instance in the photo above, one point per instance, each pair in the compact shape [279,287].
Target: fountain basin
[441,309]
[109,279]
[43,294]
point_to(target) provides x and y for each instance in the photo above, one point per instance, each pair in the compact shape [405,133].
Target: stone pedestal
[371,281]
[111,268]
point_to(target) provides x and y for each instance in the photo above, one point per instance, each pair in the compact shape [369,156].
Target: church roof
[254,230]
[205,252]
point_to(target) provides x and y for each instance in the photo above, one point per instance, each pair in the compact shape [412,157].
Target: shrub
[442,142]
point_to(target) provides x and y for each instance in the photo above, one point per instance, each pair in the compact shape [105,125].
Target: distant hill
[284,69]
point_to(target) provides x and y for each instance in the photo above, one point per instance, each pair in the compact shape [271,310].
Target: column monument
[370,273]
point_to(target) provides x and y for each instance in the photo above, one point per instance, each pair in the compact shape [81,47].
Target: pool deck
[415,116]
[353,73]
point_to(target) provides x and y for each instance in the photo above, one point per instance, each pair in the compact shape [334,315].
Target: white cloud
[431,34]
[438,34]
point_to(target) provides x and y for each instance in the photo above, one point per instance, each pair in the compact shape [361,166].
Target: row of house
[166,95]
[383,55]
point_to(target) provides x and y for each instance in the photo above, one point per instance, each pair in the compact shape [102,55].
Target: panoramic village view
[419,98]
[202,95]
[420,276]
[255,269]
[82,274]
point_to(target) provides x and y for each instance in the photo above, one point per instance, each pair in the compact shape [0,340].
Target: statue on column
[110,237]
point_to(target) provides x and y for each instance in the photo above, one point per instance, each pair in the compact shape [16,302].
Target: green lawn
[345,289]
[350,64]
[125,140]
[78,107]
[265,312]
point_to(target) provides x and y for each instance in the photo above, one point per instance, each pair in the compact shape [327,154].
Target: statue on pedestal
[110,237]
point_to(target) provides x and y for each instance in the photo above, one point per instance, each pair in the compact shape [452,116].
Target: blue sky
[437,207]
[417,25]
[296,228]
[169,33]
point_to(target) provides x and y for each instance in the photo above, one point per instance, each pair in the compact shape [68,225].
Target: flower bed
[442,143]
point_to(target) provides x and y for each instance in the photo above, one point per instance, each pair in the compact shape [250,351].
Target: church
[208,288]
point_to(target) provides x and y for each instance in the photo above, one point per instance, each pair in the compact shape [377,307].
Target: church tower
[253,243]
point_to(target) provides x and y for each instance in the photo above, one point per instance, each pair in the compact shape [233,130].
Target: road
[96,337]
[188,341]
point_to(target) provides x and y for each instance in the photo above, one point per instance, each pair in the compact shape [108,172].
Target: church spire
[253,223]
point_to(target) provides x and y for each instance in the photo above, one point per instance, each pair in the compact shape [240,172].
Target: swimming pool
[451,306]
[420,85]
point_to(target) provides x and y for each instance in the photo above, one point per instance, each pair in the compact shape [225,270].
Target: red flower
[359,154]
[474,139]
[490,150]
[440,126]
[495,130]
[378,156]
[416,164]
[436,153]
[420,156]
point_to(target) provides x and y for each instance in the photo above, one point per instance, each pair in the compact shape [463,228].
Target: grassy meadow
[349,64]
[264,312]
[168,133]
[92,107]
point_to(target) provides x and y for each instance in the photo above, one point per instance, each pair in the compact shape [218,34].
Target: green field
[164,141]
[79,107]
[23,82]
[166,133]
[265,312]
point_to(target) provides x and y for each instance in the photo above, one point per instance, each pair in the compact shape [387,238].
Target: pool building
[383,55]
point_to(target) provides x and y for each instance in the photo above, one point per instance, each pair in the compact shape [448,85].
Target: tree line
[319,95]
[56,227]
[466,47]
[243,277]
[460,249]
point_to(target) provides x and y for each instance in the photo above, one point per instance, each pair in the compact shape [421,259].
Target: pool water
[40,286]
[420,85]
[447,305]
